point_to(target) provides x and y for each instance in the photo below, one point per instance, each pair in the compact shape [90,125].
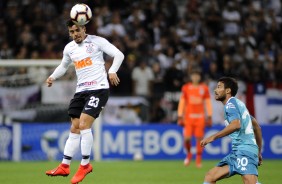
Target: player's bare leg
[216,173]
[187,145]
[85,167]
[249,179]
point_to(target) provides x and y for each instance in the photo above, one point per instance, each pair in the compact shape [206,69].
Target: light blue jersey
[244,138]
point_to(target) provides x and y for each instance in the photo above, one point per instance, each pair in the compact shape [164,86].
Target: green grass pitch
[129,172]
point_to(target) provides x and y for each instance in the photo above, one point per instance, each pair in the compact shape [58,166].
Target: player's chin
[78,41]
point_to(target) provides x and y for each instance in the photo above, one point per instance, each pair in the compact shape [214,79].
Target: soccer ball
[80,14]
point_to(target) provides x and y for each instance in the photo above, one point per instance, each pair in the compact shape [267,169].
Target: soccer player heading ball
[92,92]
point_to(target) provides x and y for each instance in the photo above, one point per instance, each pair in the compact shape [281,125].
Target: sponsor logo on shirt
[91,83]
[82,63]
[230,106]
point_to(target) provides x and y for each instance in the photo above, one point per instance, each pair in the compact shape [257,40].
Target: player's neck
[195,84]
[226,100]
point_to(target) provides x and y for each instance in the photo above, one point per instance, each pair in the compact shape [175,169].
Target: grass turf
[128,172]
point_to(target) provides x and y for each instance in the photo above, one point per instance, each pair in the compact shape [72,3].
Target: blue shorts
[241,162]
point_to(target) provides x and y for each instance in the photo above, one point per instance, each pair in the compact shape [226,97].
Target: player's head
[226,87]
[76,32]
[195,75]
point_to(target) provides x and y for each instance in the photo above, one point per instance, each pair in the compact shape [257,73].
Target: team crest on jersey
[89,48]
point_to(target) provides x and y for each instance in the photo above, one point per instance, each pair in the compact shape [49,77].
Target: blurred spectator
[142,76]
[206,60]
[23,53]
[128,115]
[213,19]
[231,19]
[228,70]
[278,68]
[5,51]
[158,114]
[213,73]
[173,78]
[114,28]
[158,84]
[125,72]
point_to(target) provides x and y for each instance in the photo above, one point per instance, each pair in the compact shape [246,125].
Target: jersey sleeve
[232,112]
[150,74]
[182,102]
[184,91]
[112,51]
[207,101]
[62,68]
[207,92]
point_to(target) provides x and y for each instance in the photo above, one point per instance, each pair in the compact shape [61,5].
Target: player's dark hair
[196,70]
[70,23]
[231,83]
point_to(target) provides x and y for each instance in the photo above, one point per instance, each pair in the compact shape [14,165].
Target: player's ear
[228,90]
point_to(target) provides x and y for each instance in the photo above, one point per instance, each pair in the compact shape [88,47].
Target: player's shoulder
[231,103]
[203,84]
[70,46]
[96,39]
[186,86]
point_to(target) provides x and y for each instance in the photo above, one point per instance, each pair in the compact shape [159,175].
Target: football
[80,14]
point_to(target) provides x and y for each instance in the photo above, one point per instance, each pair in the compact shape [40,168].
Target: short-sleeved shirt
[244,138]
[194,99]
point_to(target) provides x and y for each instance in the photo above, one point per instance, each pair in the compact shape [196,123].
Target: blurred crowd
[161,39]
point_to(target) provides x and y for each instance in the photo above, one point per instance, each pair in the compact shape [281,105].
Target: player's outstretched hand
[207,141]
[114,79]
[49,81]
[180,121]
[260,159]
